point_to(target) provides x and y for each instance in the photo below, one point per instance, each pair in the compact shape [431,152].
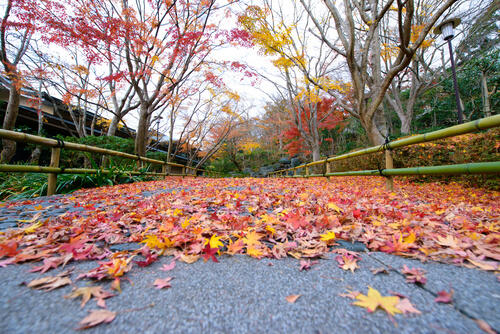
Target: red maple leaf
[414,275]
[8,249]
[209,253]
[150,258]
[444,297]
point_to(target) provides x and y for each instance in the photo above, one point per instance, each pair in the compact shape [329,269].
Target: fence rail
[389,171]
[57,145]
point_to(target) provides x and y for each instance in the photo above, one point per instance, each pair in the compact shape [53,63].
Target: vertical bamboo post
[52,177]
[389,164]
[328,169]
[164,170]
[307,171]
[294,171]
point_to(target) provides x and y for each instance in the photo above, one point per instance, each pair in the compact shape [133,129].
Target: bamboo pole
[52,177]
[328,169]
[473,126]
[307,171]
[164,170]
[389,164]
[470,168]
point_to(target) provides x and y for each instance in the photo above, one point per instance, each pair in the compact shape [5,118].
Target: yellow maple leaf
[330,235]
[410,238]
[332,206]
[152,242]
[374,299]
[254,252]
[252,238]
[215,242]
[271,229]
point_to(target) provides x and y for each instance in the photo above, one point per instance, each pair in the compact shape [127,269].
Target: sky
[255,96]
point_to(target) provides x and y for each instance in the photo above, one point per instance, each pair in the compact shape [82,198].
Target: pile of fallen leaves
[193,218]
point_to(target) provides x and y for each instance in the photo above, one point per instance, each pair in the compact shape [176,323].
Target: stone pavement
[244,295]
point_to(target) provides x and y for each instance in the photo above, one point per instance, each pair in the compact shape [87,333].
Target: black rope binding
[60,142]
[386,146]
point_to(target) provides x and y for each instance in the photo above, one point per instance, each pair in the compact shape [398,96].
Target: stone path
[244,295]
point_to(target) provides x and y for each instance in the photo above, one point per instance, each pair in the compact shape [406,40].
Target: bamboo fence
[389,170]
[56,144]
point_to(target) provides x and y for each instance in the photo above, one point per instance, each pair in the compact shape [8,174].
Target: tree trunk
[9,121]
[142,131]
[113,126]
[485,95]
[373,128]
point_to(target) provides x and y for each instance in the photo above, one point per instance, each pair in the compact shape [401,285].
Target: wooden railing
[56,144]
[389,171]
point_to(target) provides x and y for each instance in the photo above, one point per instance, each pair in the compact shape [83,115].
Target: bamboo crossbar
[27,138]
[53,170]
[58,170]
[480,124]
[470,168]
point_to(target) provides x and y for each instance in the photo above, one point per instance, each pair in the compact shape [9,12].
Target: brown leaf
[189,258]
[97,317]
[162,283]
[88,292]
[407,307]
[381,270]
[49,283]
[350,294]
[292,298]
[484,326]
[444,297]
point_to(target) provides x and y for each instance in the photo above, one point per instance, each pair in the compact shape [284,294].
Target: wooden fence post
[307,171]
[52,178]
[389,164]
[164,170]
[328,169]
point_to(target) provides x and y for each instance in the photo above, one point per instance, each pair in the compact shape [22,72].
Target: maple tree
[358,31]
[16,24]
[310,112]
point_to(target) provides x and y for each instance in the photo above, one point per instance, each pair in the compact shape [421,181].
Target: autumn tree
[357,39]
[15,34]
[285,36]
[421,74]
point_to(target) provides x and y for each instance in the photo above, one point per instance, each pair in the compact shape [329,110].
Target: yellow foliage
[249,146]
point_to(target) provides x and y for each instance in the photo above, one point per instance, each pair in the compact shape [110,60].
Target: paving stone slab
[476,292]
[237,295]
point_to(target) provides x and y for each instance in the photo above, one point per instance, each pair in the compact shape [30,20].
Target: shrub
[478,147]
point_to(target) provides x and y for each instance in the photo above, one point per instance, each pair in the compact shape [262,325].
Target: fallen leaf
[162,283]
[484,326]
[97,317]
[414,275]
[381,270]
[88,292]
[407,307]
[374,299]
[49,283]
[189,258]
[347,262]
[167,267]
[307,264]
[350,294]
[292,298]
[444,297]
